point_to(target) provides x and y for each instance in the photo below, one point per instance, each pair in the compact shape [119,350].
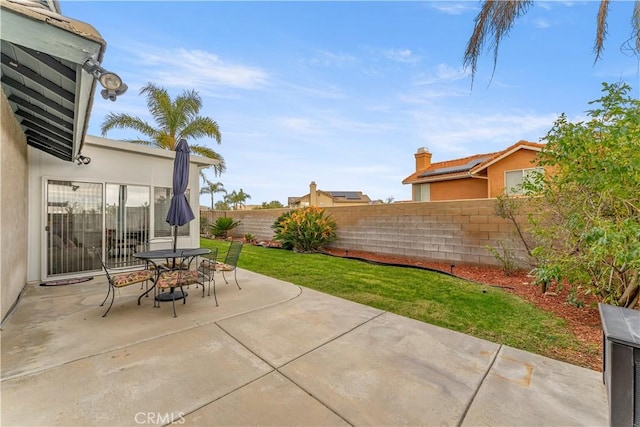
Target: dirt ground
[583,321]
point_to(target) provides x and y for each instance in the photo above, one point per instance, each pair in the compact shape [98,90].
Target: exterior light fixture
[111,82]
[83,160]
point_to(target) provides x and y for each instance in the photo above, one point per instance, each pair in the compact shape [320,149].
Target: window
[514,180]
[161,204]
[421,193]
[126,219]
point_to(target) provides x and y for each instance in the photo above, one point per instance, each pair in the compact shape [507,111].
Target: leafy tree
[587,221]
[222,205]
[305,230]
[212,188]
[274,204]
[174,119]
[497,17]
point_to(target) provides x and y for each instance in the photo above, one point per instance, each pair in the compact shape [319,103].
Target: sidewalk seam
[473,397]
[277,368]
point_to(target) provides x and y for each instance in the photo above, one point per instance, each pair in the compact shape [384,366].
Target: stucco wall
[459,189]
[111,162]
[13,208]
[521,159]
[452,231]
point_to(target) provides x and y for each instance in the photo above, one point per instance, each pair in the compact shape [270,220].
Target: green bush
[305,230]
[223,225]
[588,223]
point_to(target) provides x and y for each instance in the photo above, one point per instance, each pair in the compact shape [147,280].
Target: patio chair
[207,269]
[231,261]
[121,274]
[177,278]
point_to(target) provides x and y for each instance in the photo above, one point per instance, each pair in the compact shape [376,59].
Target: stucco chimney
[313,194]
[423,159]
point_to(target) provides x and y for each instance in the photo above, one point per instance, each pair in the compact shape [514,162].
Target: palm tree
[175,119]
[237,198]
[497,17]
[242,198]
[212,188]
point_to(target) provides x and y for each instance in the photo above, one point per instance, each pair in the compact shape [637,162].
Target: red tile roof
[466,166]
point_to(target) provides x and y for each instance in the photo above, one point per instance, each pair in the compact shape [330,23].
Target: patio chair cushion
[208,265]
[176,278]
[220,266]
[131,277]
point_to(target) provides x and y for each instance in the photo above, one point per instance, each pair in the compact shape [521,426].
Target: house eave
[128,147]
[51,95]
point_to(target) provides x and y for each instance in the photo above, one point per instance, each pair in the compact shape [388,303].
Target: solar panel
[453,169]
[350,195]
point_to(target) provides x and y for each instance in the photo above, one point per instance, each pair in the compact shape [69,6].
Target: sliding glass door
[87,221]
[126,221]
[74,226]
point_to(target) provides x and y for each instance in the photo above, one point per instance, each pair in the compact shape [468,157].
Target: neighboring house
[479,176]
[65,194]
[328,198]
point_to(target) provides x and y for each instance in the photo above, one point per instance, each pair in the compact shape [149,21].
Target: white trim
[473,171]
[113,144]
[44,247]
[505,189]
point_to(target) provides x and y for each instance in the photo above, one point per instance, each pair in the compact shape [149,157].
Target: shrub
[506,257]
[588,225]
[305,230]
[223,225]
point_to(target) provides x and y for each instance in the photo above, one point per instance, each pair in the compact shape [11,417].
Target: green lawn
[431,297]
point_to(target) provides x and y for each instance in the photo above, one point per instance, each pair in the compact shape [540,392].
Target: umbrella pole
[175,237]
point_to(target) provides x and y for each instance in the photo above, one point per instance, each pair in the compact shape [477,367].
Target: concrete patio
[270,354]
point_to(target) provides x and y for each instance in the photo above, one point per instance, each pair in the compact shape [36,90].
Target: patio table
[166,254]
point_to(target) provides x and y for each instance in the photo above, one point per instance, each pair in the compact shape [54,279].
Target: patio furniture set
[170,271]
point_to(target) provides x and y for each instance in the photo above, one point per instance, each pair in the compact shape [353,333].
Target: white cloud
[332,59]
[448,73]
[298,125]
[453,134]
[541,23]
[198,69]
[401,55]
[323,91]
[441,74]
[453,7]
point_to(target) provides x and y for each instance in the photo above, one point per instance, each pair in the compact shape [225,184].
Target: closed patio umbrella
[180,212]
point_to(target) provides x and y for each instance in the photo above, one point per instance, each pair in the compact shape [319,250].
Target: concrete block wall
[257,222]
[456,232]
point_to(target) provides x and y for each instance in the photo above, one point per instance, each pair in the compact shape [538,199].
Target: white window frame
[422,192]
[517,188]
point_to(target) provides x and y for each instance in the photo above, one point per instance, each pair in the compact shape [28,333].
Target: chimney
[423,159]
[313,194]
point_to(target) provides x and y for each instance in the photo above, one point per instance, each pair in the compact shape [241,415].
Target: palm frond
[201,127]
[124,121]
[493,22]
[635,25]
[174,120]
[601,28]
[158,103]
[203,151]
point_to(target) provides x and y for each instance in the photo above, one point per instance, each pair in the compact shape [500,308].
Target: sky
[344,93]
